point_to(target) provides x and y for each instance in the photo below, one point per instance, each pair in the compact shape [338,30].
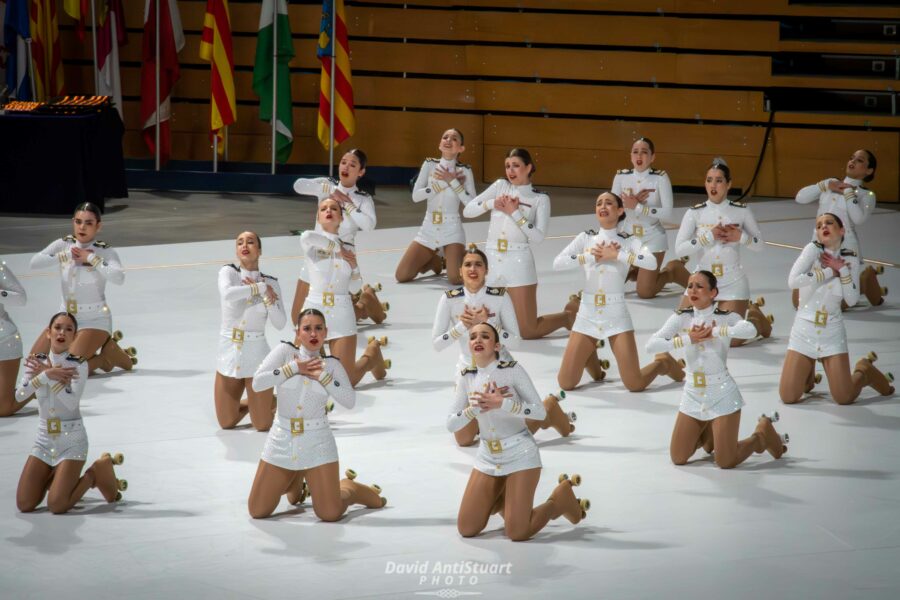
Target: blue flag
[15,31]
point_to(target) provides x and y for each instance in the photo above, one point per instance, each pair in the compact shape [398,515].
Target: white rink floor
[824,522]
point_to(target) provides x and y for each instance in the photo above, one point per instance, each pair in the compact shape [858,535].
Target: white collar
[308,354]
[56,359]
[705,312]
[853,182]
[448,164]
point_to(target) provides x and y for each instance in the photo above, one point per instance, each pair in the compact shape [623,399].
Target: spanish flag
[78,10]
[344,119]
[215,47]
[45,54]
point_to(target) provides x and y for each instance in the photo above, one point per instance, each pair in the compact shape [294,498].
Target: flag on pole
[17,29]
[171,41]
[78,10]
[45,54]
[215,47]
[344,119]
[263,73]
[110,35]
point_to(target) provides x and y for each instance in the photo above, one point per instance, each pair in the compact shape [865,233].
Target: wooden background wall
[573,85]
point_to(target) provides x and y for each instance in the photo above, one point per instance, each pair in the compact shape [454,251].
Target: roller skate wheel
[890,376]
[879,269]
[604,363]
[134,360]
[329,406]
[785,438]
[383,502]
[370,339]
[563,477]
[131,351]
[818,378]
[377,287]
[872,356]
[585,504]
[376,487]
[884,291]
[576,479]
[386,306]
[122,484]
[571,427]
[775,417]
[116,335]
[351,474]
[760,302]
[387,363]
[561,395]
[572,416]
[684,259]
[601,343]
[118,496]
[383,340]
[573,297]
[771,318]
[681,363]
[118,458]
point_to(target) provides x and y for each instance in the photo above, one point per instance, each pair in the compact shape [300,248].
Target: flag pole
[331,98]
[94,38]
[31,70]
[274,81]
[226,143]
[216,153]
[157,86]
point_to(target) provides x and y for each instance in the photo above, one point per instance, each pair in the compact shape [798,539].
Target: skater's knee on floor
[58,504]
[634,384]
[329,514]
[791,397]
[469,529]
[725,460]
[679,458]
[844,399]
[566,383]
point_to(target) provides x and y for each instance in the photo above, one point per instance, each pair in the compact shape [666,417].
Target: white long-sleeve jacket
[509,419]
[328,271]
[607,276]
[853,206]
[12,294]
[723,259]
[83,284]
[246,306]
[358,216]
[443,196]
[526,225]
[300,396]
[56,400]
[448,328]
[658,205]
[822,290]
[708,356]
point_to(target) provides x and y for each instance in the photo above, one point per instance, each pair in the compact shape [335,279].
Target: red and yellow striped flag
[215,47]
[45,54]
[344,119]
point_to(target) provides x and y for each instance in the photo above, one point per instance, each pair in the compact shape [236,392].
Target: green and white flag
[262,74]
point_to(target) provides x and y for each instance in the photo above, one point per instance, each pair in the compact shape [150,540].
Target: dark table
[49,163]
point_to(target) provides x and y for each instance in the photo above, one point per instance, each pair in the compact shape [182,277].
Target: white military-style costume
[442,224]
[722,259]
[818,329]
[603,312]
[358,216]
[709,390]
[61,435]
[331,280]
[245,310]
[84,286]
[510,237]
[448,328]
[853,207]
[506,444]
[643,221]
[12,294]
[300,437]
